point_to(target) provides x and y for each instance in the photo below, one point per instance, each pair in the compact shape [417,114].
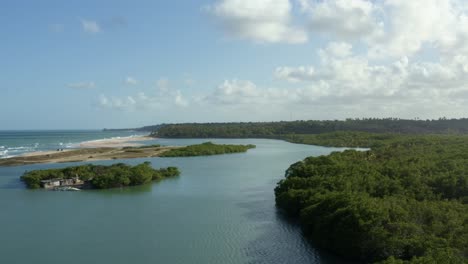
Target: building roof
[51,180]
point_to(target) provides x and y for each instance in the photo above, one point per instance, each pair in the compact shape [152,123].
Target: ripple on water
[279,239]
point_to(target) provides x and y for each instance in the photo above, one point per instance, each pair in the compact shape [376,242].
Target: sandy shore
[103,149]
[39,153]
[100,143]
[115,142]
[86,154]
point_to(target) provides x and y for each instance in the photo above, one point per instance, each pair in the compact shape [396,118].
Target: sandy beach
[86,154]
[99,143]
[115,142]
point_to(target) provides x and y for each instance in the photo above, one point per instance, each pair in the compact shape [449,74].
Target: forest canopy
[278,129]
[206,149]
[403,201]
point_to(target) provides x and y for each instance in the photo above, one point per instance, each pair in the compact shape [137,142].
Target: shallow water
[220,210]
[13,143]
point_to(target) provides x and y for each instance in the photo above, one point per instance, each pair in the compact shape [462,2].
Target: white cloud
[82,85]
[179,100]
[345,19]
[131,81]
[144,102]
[295,74]
[244,92]
[117,103]
[411,24]
[400,87]
[383,58]
[90,26]
[264,21]
[386,28]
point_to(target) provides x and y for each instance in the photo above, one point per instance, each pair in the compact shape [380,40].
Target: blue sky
[94,64]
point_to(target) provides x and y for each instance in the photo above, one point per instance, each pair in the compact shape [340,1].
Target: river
[220,210]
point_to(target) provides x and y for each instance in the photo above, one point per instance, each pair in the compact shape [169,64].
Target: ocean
[14,143]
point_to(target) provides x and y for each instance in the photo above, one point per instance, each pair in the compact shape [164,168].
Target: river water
[220,210]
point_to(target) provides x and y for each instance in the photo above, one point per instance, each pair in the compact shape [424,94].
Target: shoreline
[120,142]
[86,154]
[92,150]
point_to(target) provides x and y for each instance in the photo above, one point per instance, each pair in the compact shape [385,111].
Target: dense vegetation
[277,129]
[344,139]
[102,177]
[205,149]
[404,201]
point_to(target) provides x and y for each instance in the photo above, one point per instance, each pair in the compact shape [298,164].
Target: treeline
[102,177]
[345,139]
[205,149]
[404,201]
[276,129]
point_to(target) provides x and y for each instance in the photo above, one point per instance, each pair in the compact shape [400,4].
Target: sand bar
[115,142]
[85,154]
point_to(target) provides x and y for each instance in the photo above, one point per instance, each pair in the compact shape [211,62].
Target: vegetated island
[403,201]
[95,154]
[97,176]
[206,149]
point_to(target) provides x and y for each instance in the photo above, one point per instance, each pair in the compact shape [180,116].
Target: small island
[206,149]
[96,176]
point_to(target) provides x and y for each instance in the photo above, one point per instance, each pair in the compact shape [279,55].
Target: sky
[119,64]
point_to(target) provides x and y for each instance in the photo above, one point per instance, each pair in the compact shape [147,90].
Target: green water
[220,210]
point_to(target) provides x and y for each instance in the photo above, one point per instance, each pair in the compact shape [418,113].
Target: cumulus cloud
[345,19]
[411,24]
[244,92]
[117,103]
[179,100]
[144,102]
[295,74]
[264,21]
[402,84]
[82,85]
[90,26]
[381,58]
[388,28]
[391,28]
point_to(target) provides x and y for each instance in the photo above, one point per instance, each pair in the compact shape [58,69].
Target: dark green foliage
[206,149]
[278,129]
[341,139]
[404,201]
[149,146]
[102,177]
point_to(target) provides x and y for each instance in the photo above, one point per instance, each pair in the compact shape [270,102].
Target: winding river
[220,210]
